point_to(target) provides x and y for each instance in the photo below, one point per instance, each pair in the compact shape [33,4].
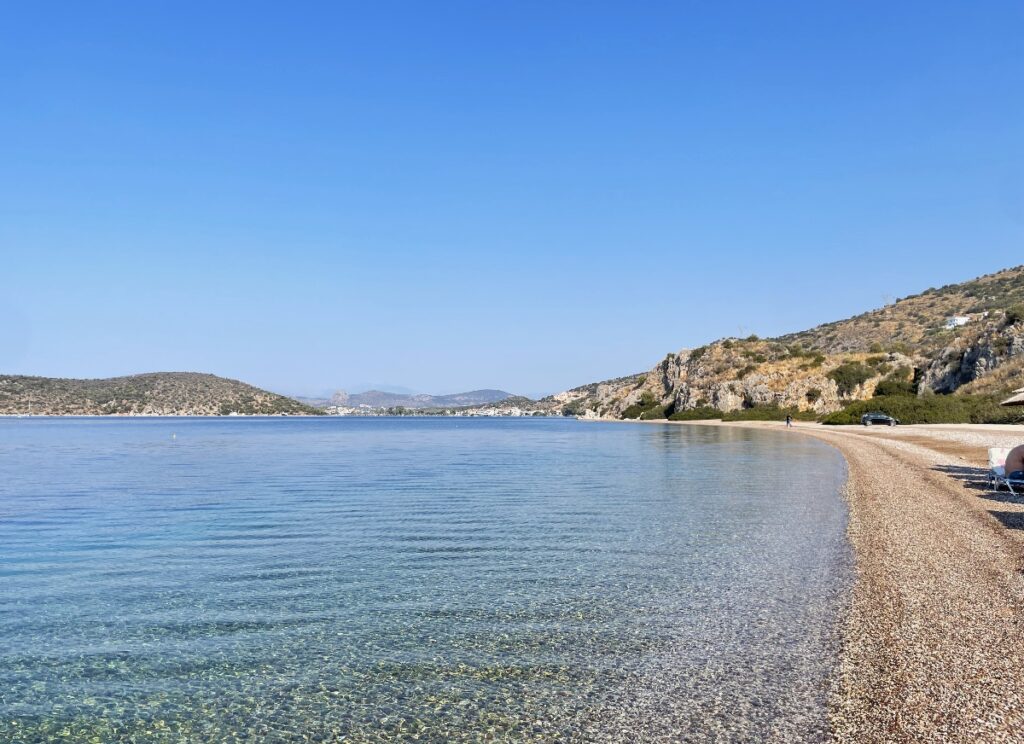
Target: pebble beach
[933,644]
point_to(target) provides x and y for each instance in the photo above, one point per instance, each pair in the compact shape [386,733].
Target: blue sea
[416,579]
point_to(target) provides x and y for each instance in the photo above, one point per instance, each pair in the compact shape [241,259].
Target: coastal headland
[933,643]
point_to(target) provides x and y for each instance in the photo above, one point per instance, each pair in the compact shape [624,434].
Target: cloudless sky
[455,195]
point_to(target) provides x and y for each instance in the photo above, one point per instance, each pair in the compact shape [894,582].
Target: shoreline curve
[933,640]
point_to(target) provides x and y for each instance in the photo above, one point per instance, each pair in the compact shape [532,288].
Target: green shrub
[744,371]
[757,413]
[898,383]
[816,360]
[1015,314]
[931,409]
[657,412]
[849,375]
[813,395]
[701,413]
[798,350]
[646,408]
[768,413]
[892,385]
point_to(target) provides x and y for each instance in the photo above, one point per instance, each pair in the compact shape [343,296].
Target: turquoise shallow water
[415,580]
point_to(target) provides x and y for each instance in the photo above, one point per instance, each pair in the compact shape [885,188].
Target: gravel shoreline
[933,647]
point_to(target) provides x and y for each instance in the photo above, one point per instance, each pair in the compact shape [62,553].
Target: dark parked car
[877,417]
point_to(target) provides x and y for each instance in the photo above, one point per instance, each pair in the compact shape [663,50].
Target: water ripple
[428,580]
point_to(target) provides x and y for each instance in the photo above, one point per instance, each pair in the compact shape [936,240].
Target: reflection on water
[388,579]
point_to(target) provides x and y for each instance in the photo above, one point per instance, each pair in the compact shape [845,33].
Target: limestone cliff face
[732,374]
[969,359]
[590,400]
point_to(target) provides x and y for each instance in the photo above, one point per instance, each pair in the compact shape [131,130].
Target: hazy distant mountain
[362,387]
[381,399]
[156,393]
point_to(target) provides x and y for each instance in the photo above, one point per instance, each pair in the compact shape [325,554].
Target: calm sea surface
[387,579]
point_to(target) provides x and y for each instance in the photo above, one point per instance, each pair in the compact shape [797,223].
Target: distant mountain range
[155,393]
[381,399]
[964,339]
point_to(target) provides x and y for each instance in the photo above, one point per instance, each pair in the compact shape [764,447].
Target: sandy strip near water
[933,646]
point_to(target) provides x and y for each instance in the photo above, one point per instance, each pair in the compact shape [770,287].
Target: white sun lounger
[997,475]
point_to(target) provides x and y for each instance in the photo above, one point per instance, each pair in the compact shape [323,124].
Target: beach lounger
[997,475]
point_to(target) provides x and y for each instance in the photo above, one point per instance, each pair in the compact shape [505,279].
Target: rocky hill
[962,338]
[157,393]
[591,398]
[919,322]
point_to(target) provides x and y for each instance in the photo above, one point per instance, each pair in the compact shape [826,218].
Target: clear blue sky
[453,195]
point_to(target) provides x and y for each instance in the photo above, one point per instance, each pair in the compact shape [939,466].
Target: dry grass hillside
[918,323]
[966,339]
[157,393]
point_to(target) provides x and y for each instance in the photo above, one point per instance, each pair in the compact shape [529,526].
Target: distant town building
[955,321]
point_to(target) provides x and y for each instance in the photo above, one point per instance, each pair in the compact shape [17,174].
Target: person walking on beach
[789,421]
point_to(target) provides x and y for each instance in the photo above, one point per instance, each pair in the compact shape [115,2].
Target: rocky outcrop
[594,399]
[734,374]
[966,360]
